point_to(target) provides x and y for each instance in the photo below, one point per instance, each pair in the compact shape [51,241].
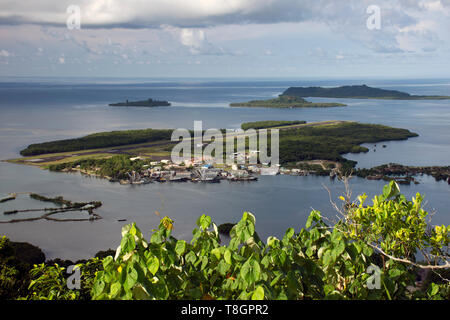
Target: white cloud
[195,40]
[192,38]
[192,16]
[302,32]
[4,53]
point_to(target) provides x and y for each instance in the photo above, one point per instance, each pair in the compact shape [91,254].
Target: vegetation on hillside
[268,124]
[357,91]
[99,140]
[285,101]
[115,167]
[367,254]
[330,142]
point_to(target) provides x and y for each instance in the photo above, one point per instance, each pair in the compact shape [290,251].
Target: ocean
[42,109]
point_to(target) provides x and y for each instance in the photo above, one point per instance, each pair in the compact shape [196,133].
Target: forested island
[286,101]
[98,140]
[143,103]
[330,142]
[300,142]
[355,92]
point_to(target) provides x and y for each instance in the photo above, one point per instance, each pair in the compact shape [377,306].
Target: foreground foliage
[368,254]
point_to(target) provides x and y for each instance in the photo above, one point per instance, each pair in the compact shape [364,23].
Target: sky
[225,38]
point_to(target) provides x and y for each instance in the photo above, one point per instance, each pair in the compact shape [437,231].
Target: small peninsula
[143,103]
[286,101]
[355,92]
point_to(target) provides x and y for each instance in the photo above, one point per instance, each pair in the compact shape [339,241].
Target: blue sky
[225,38]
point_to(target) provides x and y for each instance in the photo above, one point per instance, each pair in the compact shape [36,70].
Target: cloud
[192,38]
[404,22]
[184,14]
[197,42]
[168,32]
[4,53]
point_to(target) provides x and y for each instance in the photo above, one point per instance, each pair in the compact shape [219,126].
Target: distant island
[286,101]
[355,92]
[143,103]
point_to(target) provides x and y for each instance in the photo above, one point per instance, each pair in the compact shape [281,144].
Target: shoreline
[404,175]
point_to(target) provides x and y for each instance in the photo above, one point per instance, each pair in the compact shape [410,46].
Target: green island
[144,103]
[322,260]
[329,142]
[356,92]
[98,140]
[286,101]
[143,156]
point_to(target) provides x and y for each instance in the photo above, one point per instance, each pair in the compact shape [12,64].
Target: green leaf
[250,217]
[108,263]
[115,290]
[131,278]
[391,190]
[340,247]
[258,294]
[98,288]
[153,265]
[216,252]
[327,258]
[156,237]
[127,244]
[314,216]
[227,256]
[191,257]
[251,271]
[204,260]
[288,235]
[223,267]
[433,289]
[204,222]
[395,273]
[180,247]
[275,281]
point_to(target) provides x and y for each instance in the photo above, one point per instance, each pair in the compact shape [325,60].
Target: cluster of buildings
[201,170]
[195,170]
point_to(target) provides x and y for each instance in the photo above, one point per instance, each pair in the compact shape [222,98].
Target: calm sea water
[36,110]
